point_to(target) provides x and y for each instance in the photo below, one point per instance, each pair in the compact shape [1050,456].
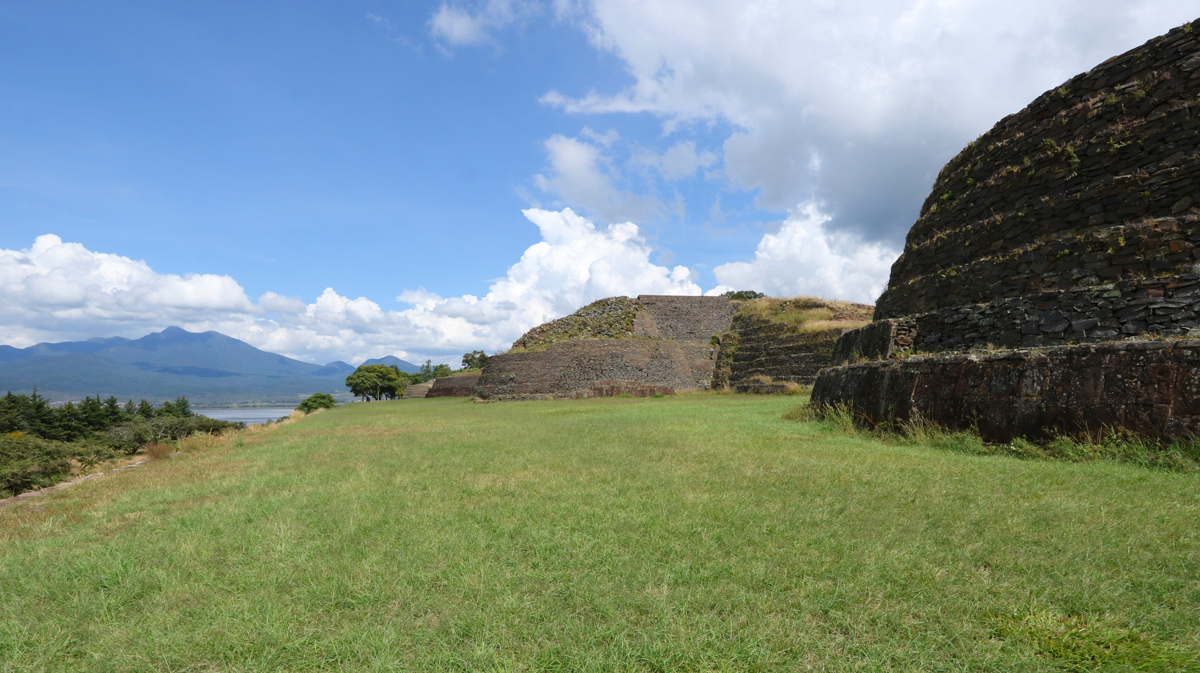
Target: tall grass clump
[158,450]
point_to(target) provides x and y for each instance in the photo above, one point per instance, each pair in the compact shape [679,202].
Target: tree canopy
[377,382]
[743,295]
[474,360]
[317,401]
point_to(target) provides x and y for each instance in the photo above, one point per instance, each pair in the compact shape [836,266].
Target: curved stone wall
[1148,387]
[1073,222]
[1096,181]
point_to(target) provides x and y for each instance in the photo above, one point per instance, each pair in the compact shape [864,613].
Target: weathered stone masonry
[1074,221]
[645,346]
[1150,387]
[758,347]
[462,385]
[1095,182]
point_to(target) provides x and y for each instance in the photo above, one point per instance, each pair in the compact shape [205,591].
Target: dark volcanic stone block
[1081,177]
[1149,387]
[1073,221]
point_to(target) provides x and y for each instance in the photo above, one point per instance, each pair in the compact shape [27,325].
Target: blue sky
[347,180]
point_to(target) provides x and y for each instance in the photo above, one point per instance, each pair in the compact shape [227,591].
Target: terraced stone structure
[460,385]
[775,341]
[649,345]
[1075,221]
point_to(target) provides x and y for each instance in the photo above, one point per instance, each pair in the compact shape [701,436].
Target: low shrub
[158,450]
[317,401]
[30,463]
[129,437]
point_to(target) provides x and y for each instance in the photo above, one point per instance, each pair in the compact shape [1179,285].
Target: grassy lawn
[692,533]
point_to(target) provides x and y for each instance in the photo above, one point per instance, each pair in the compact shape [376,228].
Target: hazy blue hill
[209,368]
[390,360]
[8,353]
[336,368]
[175,348]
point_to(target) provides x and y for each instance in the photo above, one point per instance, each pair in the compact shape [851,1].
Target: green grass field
[697,533]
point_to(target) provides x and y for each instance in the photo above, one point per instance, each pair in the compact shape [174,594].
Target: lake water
[247,416]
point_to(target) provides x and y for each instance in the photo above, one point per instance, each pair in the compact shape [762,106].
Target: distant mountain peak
[389,360]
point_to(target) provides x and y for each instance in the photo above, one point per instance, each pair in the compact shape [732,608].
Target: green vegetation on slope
[808,314]
[41,445]
[699,532]
[610,318]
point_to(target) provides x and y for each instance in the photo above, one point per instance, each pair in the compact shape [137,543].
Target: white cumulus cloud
[57,291]
[857,103]
[803,258]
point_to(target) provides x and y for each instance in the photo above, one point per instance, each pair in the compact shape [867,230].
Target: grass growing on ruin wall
[610,318]
[808,314]
[694,533]
[1112,444]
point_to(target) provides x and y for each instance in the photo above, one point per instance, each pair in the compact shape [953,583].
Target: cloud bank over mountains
[56,290]
[833,116]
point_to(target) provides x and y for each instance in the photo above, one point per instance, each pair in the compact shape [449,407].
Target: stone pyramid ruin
[1052,280]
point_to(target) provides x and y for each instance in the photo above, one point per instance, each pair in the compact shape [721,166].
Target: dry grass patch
[158,450]
[808,314]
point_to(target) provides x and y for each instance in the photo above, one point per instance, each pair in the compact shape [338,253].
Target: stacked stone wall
[764,348]
[685,319]
[610,318]
[1097,181]
[643,346]
[1149,387]
[881,340]
[454,386]
[573,368]
[1075,221]
[417,391]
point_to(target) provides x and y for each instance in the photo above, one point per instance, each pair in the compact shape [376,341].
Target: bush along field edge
[43,445]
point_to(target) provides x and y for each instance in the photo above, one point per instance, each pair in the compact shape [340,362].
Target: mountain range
[211,369]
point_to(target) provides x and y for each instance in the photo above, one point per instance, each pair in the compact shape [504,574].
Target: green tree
[474,360]
[145,409]
[376,382]
[113,413]
[426,371]
[743,295]
[91,413]
[317,401]
[180,408]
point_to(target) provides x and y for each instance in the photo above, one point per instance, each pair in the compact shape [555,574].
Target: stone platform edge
[1149,387]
